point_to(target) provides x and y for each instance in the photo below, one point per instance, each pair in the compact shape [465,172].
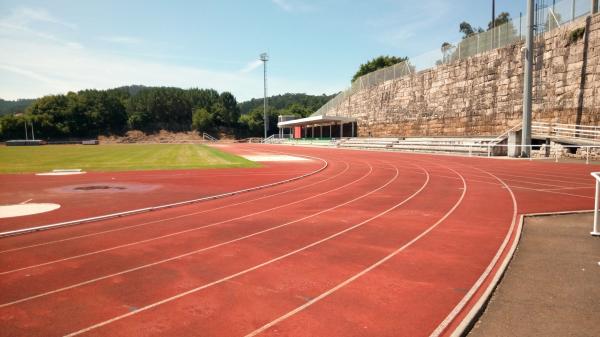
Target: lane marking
[159,207]
[183,231]
[227,278]
[195,251]
[369,268]
[24,202]
[175,217]
[463,302]
[24,209]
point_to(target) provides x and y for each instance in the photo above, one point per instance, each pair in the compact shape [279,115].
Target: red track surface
[377,244]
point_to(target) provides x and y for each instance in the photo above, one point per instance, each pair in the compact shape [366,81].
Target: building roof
[316,120]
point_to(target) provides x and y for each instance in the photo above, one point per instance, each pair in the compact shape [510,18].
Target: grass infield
[125,157]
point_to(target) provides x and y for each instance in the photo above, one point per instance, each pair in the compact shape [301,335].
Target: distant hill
[11,107]
[310,103]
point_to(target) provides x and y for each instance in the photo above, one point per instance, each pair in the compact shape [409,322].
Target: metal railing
[206,136]
[547,18]
[596,228]
[566,131]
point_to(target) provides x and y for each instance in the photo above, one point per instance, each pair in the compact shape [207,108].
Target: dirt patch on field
[166,137]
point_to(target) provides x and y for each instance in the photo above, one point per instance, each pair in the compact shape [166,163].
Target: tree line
[90,113]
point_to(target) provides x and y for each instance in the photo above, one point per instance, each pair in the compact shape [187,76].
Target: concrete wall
[482,95]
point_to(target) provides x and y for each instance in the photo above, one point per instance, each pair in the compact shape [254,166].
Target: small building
[316,126]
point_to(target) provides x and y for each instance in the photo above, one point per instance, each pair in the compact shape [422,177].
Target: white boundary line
[459,307]
[129,244]
[369,268]
[159,207]
[191,291]
[176,217]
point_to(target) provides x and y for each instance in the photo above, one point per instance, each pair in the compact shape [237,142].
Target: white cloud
[121,39]
[251,66]
[24,16]
[293,5]
[34,69]
[34,63]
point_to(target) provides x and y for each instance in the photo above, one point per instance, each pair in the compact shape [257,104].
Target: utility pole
[527,83]
[493,14]
[493,23]
[264,58]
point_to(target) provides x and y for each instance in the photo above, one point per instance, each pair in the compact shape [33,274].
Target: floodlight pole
[493,22]
[527,83]
[32,133]
[264,58]
[25,123]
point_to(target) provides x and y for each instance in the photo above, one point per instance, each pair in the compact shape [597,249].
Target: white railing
[596,229]
[557,130]
[208,137]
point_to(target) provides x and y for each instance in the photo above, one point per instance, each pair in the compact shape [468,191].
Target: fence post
[596,230]
[587,156]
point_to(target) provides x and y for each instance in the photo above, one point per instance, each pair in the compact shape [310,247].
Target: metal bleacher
[482,146]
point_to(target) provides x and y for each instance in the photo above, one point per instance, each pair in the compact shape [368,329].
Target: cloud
[251,66]
[293,5]
[35,63]
[20,22]
[24,16]
[34,69]
[121,39]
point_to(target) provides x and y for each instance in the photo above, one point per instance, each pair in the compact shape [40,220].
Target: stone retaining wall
[482,95]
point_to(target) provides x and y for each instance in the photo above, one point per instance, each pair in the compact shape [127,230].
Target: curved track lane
[378,244]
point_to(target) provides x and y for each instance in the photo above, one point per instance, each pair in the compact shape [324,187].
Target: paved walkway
[552,286]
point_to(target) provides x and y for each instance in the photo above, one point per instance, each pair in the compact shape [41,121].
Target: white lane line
[347,166]
[159,207]
[24,202]
[191,291]
[193,252]
[568,188]
[366,270]
[538,178]
[183,231]
[463,302]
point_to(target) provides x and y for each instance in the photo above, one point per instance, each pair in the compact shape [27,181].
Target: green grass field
[22,159]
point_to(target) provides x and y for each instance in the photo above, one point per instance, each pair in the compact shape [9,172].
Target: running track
[376,244]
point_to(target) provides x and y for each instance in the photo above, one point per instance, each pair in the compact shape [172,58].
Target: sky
[314,47]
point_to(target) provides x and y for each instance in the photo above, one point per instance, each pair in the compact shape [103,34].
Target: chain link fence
[549,15]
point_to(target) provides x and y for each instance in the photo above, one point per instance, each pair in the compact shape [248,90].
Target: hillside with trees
[90,113]
[11,107]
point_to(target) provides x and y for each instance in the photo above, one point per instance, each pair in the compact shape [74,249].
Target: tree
[228,111]
[202,120]
[501,19]
[376,64]
[468,30]
[446,49]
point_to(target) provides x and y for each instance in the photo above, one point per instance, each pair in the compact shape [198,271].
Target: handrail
[498,139]
[208,137]
[268,139]
[596,230]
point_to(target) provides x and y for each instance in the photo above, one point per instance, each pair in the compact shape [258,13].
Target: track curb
[160,207]
[471,318]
